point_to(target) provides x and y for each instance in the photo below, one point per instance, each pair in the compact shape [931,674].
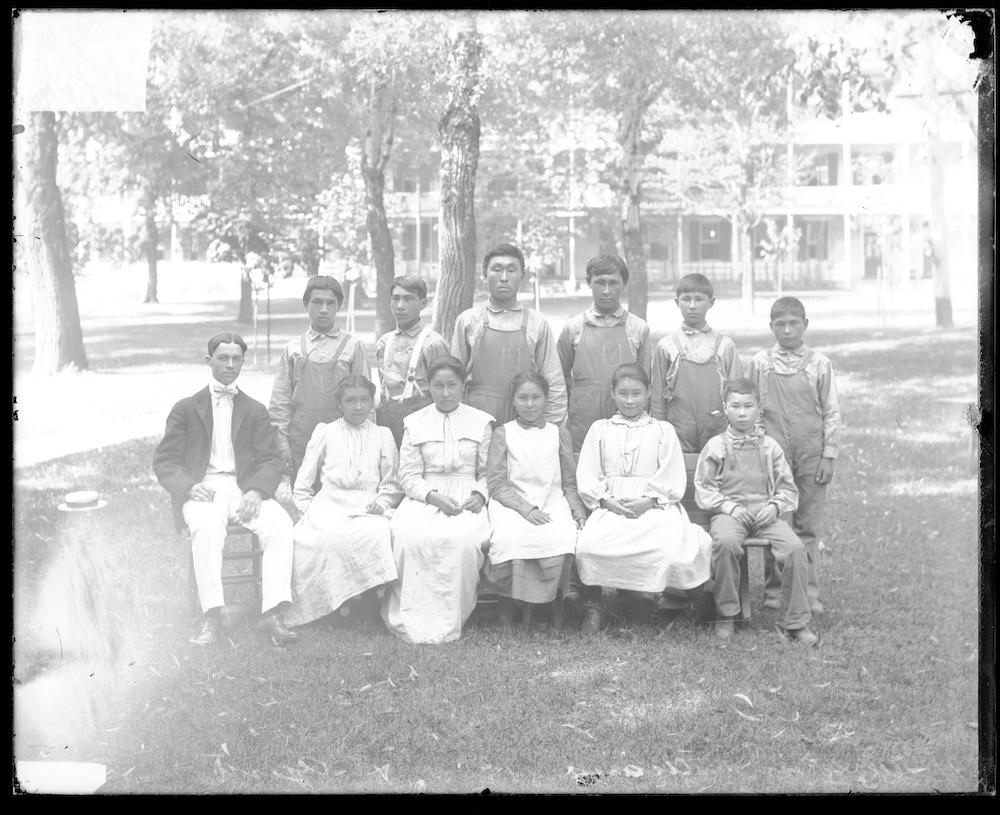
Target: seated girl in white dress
[631,474]
[534,507]
[343,545]
[440,529]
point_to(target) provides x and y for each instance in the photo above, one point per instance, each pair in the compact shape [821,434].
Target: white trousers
[207,522]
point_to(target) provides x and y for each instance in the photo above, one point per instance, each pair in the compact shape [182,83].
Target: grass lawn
[888,703]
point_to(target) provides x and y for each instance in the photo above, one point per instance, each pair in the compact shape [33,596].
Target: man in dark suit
[219,461]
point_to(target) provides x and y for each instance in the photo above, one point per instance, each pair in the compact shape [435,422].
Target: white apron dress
[529,562]
[339,551]
[533,467]
[623,458]
[438,557]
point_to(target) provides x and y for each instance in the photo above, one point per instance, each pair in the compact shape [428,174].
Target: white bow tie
[223,391]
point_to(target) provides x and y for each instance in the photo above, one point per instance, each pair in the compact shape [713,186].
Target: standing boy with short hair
[742,475]
[691,367]
[219,461]
[403,356]
[595,342]
[501,337]
[309,371]
[801,412]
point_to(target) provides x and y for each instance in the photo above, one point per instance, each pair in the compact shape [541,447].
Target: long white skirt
[658,549]
[438,558]
[337,557]
[516,538]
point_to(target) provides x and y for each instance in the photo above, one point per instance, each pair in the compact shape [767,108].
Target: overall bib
[695,406]
[496,357]
[599,352]
[745,479]
[393,409]
[314,398]
[793,418]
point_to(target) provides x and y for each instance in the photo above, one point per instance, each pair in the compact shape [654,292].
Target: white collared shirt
[222,458]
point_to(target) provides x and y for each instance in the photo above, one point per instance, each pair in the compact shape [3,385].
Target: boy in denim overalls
[800,411]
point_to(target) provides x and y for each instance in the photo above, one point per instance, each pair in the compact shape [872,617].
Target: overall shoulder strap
[411,371]
[418,347]
[340,348]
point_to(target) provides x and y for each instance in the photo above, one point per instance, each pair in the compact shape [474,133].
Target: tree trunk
[58,336]
[745,249]
[633,243]
[151,240]
[245,315]
[459,135]
[939,225]
[378,149]
[382,252]
[246,300]
[635,257]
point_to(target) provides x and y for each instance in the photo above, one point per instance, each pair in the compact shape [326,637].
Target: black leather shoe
[208,631]
[275,629]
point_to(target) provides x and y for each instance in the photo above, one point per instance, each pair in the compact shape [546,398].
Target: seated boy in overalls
[742,475]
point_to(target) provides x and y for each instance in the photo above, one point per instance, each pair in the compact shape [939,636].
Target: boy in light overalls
[690,368]
[403,355]
[800,411]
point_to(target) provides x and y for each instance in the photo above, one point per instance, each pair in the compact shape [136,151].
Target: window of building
[711,240]
[815,243]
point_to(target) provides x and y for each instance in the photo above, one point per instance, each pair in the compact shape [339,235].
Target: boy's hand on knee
[766,516]
[201,492]
[249,506]
[744,516]
[824,475]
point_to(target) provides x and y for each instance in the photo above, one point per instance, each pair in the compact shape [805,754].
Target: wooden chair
[241,567]
[703,518]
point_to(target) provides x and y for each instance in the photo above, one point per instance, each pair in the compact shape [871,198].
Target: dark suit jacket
[181,458]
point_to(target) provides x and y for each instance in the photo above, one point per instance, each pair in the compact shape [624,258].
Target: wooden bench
[703,517]
[241,567]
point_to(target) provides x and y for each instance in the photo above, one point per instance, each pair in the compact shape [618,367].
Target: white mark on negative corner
[83,60]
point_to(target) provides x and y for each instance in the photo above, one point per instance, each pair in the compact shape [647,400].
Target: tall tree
[58,336]
[622,64]
[272,129]
[737,127]
[459,132]
[387,55]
